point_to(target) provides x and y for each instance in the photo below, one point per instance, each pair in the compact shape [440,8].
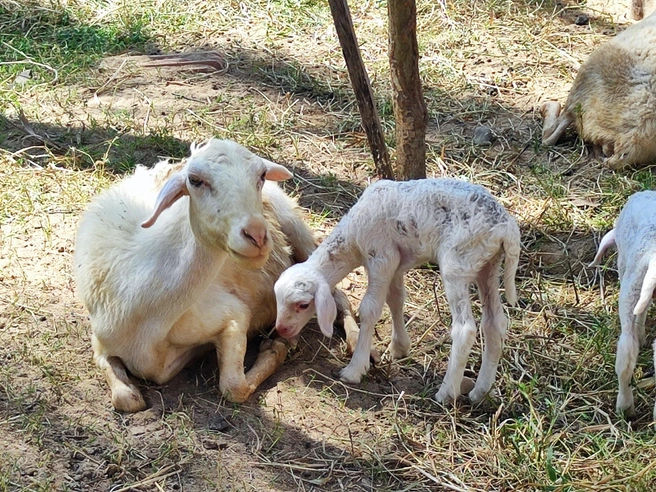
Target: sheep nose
[256,233]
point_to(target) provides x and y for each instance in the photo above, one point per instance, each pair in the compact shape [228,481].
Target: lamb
[394,227]
[175,260]
[634,236]
[612,102]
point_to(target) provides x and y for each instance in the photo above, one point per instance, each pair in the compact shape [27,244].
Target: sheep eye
[303,306]
[195,182]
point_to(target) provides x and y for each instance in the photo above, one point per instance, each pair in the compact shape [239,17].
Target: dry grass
[89,116]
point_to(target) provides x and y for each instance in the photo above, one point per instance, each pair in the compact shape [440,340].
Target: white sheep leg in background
[493,325]
[379,273]
[400,344]
[463,336]
[628,345]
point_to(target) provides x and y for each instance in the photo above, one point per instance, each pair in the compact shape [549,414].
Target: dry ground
[78,124]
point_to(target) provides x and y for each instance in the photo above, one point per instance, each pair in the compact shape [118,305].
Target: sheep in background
[635,237]
[178,259]
[612,102]
[394,227]
[639,8]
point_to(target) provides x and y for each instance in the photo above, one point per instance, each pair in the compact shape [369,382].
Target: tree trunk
[361,87]
[409,106]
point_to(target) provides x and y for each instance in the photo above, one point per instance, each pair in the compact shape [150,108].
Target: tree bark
[361,87]
[409,106]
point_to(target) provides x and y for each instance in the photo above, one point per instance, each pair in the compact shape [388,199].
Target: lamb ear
[174,189]
[276,172]
[326,309]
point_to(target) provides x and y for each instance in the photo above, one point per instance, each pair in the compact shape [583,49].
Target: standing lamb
[394,227]
[635,237]
[612,102]
[178,259]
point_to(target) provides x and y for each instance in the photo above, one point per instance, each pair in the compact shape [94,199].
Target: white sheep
[635,237]
[178,259]
[394,227]
[612,102]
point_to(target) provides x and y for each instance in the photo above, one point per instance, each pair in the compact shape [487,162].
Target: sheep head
[224,181]
[300,292]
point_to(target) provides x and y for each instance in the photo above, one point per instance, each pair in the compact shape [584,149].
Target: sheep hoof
[616,162]
[128,400]
[374,355]
[235,392]
[266,345]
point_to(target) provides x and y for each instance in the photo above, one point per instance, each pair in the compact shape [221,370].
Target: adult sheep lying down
[178,259]
[612,102]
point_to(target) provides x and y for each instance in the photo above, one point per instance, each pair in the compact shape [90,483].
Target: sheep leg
[400,345]
[627,347]
[351,328]
[555,123]
[493,324]
[463,335]
[549,111]
[379,273]
[272,355]
[231,351]
[126,397]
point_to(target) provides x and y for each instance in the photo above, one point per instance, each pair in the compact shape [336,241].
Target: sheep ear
[326,309]
[276,172]
[174,189]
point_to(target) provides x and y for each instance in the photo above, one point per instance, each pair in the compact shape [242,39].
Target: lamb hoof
[625,406]
[443,396]
[128,400]
[477,396]
[399,351]
[350,375]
